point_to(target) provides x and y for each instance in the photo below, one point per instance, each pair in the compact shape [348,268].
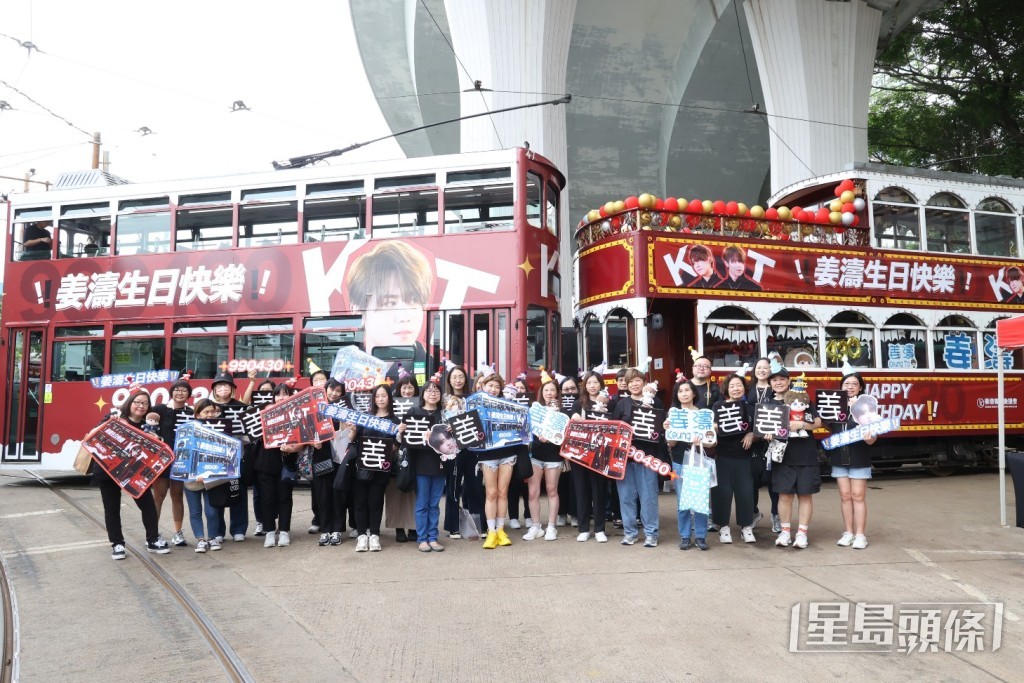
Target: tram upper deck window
[551,202]
[143,227]
[534,189]
[31,226]
[955,344]
[1013,359]
[78,353]
[896,220]
[731,337]
[795,336]
[333,212]
[84,231]
[477,201]
[851,335]
[947,224]
[904,343]
[405,206]
[267,219]
[995,228]
[204,222]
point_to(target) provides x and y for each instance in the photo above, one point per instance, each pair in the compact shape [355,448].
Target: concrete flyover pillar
[815,61]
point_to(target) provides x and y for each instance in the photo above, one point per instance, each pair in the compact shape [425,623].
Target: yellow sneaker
[503,538]
[492,540]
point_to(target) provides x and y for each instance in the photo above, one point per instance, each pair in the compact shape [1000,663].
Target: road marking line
[48,549]
[16,515]
[965,587]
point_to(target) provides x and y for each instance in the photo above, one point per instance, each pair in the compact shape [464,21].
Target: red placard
[132,458]
[599,445]
[296,421]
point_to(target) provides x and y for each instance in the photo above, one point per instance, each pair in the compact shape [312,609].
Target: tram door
[471,337]
[24,395]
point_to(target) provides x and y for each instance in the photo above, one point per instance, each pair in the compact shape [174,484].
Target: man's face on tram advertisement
[390,285]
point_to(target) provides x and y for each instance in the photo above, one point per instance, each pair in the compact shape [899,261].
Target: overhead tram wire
[307,159]
[45,108]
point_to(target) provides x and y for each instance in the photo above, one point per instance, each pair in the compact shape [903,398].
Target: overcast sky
[176,67]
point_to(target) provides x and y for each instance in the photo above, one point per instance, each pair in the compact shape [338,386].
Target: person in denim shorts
[851,468]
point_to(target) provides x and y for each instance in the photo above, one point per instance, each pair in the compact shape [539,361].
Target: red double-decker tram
[411,260]
[903,272]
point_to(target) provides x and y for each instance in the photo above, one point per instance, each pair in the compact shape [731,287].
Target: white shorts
[495,464]
[547,465]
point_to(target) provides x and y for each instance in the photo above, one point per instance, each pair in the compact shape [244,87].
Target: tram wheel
[942,471]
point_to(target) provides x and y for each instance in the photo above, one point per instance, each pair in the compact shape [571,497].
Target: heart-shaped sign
[744,427]
[783,432]
[842,417]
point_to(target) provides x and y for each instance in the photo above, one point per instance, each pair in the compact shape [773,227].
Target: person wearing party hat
[708,393]
[798,475]
[851,465]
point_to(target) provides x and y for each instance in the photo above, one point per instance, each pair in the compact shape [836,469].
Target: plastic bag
[696,457]
[467,525]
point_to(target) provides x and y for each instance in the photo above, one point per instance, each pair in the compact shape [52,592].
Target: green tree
[949,91]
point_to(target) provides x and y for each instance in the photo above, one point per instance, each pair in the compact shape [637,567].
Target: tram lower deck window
[78,360]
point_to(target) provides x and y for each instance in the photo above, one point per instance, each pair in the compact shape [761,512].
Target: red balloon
[696,206]
[604,214]
[822,215]
[848,208]
[856,220]
[772,214]
[659,204]
[732,208]
[719,206]
[845,185]
[798,215]
[632,202]
[838,191]
[671,204]
[617,222]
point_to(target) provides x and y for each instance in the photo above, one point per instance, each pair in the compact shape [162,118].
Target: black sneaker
[617,523]
[701,543]
[117,553]
[400,536]
[684,544]
[324,539]
[159,546]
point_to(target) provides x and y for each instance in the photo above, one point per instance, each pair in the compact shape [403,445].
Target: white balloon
[848,219]
[858,204]
[606,226]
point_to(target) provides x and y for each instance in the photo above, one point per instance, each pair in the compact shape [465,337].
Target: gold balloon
[835,218]
[645,217]
[682,204]
[646,200]
[756,211]
[847,197]
[675,221]
[609,207]
[835,205]
[741,209]
[593,215]
[708,206]
[784,213]
[620,205]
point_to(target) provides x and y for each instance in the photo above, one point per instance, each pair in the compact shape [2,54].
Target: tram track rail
[230,662]
[9,646]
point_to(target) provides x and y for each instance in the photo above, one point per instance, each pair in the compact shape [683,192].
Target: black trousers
[333,504]
[368,497]
[518,490]
[590,488]
[566,494]
[111,494]
[612,494]
[759,470]
[735,480]
[276,499]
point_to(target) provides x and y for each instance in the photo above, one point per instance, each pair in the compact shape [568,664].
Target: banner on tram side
[599,445]
[132,458]
[297,420]
[688,266]
[204,453]
[505,423]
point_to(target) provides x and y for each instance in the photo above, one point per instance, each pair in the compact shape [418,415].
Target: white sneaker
[536,531]
[313,529]
[573,522]
[283,538]
[259,530]
[725,535]
[860,542]
[219,539]
[374,543]
[551,534]
[783,540]
[117,552]
[757,519]
[600,537]
[353,533]
[215,543]
[800,540]
[748,535]
[178,539]
[514,524]
[583,537]
[845,540]
[363,543]
[560,520]
[238,538]
[271,540]
[202,546]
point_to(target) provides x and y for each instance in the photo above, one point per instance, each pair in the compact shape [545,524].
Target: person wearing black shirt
[171,415]
[36,242]
[222,393]
[734,420]
[708,393]
[590,486]
[851,468]
[430,471]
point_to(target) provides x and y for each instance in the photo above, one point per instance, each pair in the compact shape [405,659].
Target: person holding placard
[496,465]
[734,420]
[464,484]
[170,413]
[133,411]
[430,472]
[851,468]
[690,521]
[591,487]
[276,470]
[400,506]
[759,392]
[547,466]
[199,500]
[222,393]
[570,390]
[640,484]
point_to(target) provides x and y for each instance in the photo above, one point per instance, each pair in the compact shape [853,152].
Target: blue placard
[548,422]
[686,425]
[505,423]
[203,452]
[127,379]
[359,419]
[879,427]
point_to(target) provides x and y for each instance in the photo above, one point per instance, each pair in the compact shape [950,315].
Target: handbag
[524,464]
[321,464]
[695,488]
[225,496]
[467,525]
[406,477]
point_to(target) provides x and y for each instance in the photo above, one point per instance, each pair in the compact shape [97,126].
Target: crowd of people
[354,491]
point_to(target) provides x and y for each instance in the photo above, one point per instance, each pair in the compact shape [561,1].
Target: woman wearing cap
[171,415]
[222,393]
[133,411]
[851,468]
[798,474]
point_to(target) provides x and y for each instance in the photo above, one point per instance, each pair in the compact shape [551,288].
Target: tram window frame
[940,333]
[720,330]
[194,336]
[537,349]
[268,224]
[988,215]
[421,206]
[340,218]
[904,328]
[204,222]
[138,341]
[791,320]
[552,209]
[850,322]
[947,225]
[490,207]
[83,230]
[263,333]
[143,226]
[618,327]
[988,338]
[900,205]
[95,348]
[533,191]
[593,348]
[337,331]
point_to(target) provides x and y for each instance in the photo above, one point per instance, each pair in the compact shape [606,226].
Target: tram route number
[650,462]
[260,365]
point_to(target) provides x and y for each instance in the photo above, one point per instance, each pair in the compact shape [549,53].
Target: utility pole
[28,179]
[95,150]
